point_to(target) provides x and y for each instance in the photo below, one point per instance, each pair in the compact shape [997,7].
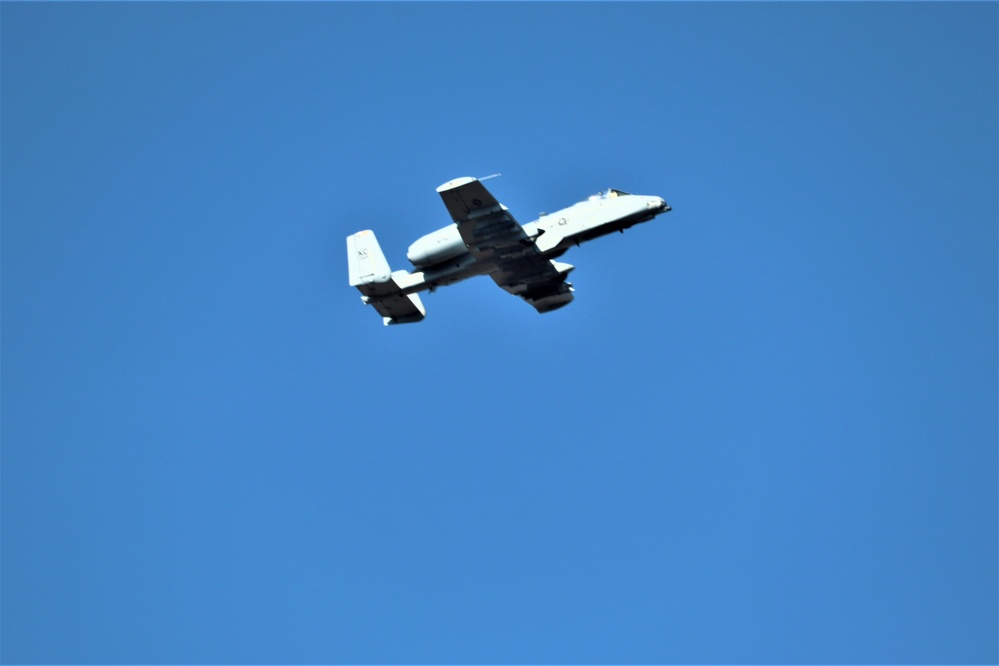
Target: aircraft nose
[658,203]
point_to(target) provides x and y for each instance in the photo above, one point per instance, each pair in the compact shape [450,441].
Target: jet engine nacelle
[439,246]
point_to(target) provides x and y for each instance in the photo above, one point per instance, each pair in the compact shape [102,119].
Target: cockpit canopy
[609,194]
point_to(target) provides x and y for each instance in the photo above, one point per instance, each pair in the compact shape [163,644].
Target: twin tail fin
[369,272]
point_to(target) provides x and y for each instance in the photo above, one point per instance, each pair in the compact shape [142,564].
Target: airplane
[485,239]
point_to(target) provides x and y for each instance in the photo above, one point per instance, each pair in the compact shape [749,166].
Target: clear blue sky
[765,431]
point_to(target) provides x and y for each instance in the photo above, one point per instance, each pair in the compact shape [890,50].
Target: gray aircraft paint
[485,239]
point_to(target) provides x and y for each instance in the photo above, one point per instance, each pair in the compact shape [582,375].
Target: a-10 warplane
[486,240]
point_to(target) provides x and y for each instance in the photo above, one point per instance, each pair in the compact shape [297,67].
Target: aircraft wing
[493,236]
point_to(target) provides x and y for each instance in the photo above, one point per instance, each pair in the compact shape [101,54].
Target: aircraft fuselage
[442,258]
[486,239]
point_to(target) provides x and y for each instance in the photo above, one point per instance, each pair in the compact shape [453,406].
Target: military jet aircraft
[486,240]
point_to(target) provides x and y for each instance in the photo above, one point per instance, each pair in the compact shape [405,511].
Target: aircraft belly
[454,270]
[605,220]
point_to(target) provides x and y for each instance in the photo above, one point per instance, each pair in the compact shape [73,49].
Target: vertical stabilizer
[365,259]
[369,271]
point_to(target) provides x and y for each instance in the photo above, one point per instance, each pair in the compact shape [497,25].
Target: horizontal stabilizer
[380,288]
[400,309]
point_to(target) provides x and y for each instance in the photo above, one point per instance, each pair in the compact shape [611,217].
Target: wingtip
[457,182]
